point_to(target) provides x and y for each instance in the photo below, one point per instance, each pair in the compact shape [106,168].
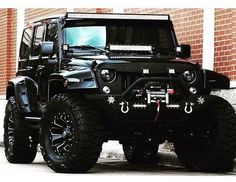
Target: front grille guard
[147,79]
[187,103]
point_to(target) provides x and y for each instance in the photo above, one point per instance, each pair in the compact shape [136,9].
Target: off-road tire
[215,154]
[141,153]
[20,141]
[84,138]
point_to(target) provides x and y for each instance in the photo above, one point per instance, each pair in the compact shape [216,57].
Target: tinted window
[52,35]
[165,39]
[38,37]
[102,33]
[140,35]
[25,43]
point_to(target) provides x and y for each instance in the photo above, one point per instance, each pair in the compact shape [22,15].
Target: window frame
[33,37]
[46,36]
[30,44]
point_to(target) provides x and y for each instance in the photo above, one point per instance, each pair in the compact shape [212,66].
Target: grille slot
[127,79]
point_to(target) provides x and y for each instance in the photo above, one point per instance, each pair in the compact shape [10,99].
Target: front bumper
[152,99]
[116,107]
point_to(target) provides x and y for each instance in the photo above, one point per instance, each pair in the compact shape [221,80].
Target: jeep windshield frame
[159,34]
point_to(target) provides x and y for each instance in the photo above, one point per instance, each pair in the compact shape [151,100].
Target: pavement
[112,155]
[104,170]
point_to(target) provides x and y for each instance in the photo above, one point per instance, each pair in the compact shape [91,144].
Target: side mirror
[183,51]
[46,48]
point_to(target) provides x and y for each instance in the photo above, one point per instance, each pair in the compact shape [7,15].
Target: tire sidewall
[85,132]
[211,154]
[22,149]
[9,112]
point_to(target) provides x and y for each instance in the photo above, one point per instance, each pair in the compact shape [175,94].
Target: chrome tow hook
[124,107]
[188,107]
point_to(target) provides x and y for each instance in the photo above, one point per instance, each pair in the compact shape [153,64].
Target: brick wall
[225,42]
[188,24]
[33,13]
[8,46]
[94,10]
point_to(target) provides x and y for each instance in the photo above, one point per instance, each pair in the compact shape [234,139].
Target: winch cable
[158,104]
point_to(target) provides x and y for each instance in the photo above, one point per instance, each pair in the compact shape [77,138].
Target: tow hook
[124,107]
[188,107]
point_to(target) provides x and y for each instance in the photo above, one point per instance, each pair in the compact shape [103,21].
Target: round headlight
[108,75]
[189,76]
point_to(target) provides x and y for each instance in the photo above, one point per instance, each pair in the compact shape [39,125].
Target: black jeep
[84,79]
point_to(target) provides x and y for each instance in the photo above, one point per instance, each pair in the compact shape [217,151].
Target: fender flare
[25,91]
[79,80]
[213,80]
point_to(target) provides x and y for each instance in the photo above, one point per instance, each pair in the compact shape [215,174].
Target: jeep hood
[89,60]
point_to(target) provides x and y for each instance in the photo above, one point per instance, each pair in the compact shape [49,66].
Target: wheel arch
[72,81]
[10,90]
[214,81]
[25,91]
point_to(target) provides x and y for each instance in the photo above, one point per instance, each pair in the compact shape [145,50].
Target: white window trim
[233,84]
[19,31]
[208,38]
[2,97]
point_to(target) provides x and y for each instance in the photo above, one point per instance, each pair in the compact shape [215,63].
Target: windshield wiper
[89,47]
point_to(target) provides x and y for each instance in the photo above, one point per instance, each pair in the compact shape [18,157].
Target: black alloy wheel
[61,133]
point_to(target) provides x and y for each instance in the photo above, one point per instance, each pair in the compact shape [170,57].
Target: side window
[26,43]
[38,37]
[52,35]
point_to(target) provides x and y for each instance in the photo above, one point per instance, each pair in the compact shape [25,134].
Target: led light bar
[129,48]
[116,16]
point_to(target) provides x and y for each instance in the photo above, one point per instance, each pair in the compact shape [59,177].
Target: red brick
[8,46]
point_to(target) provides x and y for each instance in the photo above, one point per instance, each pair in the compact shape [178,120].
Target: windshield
[103,34]
[93,36]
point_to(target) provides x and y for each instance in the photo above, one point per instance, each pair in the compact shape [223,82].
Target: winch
[153,93]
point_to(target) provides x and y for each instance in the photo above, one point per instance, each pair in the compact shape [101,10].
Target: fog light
[189,76]
[108,75]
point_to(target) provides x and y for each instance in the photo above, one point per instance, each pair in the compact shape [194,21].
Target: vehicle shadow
[122,167]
